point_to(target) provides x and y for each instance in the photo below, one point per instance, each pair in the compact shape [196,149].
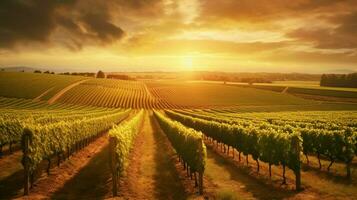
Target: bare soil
[11,175]
[55,186]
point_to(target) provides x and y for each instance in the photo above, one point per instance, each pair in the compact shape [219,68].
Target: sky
[306,36]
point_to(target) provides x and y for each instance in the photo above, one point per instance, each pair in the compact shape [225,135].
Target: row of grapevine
[188,144]
[121,141]
[336,145]
[205,116]
[330,134]
[42,142]
[163,103]
[9,105]
[10,132]
[326,134]
[13,119]
[274,147]
[339,118]
[245,120]
[47,140]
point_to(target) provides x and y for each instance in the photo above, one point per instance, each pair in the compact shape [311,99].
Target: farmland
[97,138]
[203,95]
[309,88]
[30,86]
[304,89]
[178,100]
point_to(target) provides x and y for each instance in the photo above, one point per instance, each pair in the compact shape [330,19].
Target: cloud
[324,24]
[25,21]
[319,59]
[258,11]
[214,47]
[100,28]
[263,32]
[342,36]
[82,22]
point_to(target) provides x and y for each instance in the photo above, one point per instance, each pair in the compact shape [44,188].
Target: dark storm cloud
[137,4]
[68,23]
[25,21]
[340,15]
[100,27]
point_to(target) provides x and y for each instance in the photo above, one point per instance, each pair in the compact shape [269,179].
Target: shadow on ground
[91,182]
[11,186]
[241,177]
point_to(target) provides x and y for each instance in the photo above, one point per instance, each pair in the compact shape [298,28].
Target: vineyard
[178,100]
[98,138]
[150,94]
[266,137]
[20,115]
[113,93]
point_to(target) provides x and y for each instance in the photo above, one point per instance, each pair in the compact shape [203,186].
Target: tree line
[339,80]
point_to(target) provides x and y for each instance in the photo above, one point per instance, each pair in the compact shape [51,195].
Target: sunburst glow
[188,63]
[301,36]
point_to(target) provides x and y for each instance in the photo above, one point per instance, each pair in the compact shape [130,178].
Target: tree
[100,74]
[323,80]
[37,71]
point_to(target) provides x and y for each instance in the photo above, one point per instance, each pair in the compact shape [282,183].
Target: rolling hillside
[32,85]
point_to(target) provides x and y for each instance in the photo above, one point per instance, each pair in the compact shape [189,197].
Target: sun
[187,62]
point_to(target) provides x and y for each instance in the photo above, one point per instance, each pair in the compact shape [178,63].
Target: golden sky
[312,36]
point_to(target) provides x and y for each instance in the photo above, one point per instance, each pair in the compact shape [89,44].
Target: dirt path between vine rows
[11,175]
[92,181]
[64,90]
[55,185]
[226,176]
[151,173]
[224,180]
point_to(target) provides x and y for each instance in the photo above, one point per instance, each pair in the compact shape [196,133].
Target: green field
[309,84]
[204,94]
[32,85]
[298,87]
[308,88]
